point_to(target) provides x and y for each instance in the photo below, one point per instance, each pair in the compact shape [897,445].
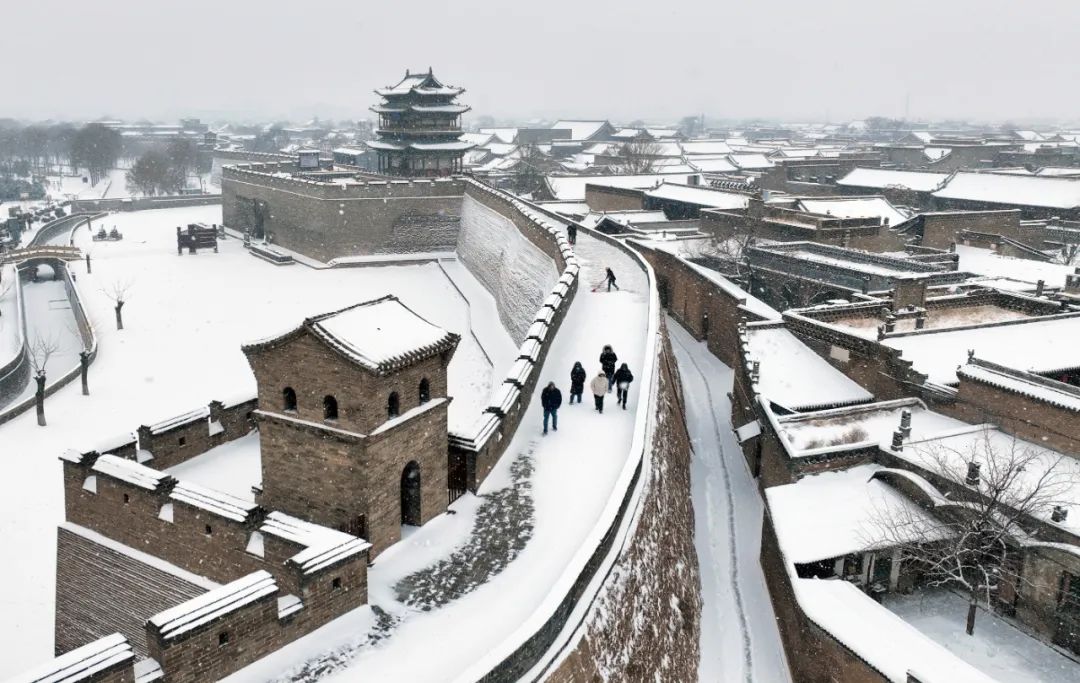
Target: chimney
[920,320]
[972,478]
[905,423]
[1059,514]
[880,332]
[897,441]
[865,284]
[952,247]
[1039,286]
[890,323]
[755,370]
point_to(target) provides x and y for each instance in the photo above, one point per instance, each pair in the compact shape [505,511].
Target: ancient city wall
[328,219]
[474,451]
[655,578]
[144,203]
[518,274]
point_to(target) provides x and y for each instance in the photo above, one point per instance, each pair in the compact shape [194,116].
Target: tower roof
[382,335]
[421,84]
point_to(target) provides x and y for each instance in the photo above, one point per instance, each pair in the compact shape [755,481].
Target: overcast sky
[624,59]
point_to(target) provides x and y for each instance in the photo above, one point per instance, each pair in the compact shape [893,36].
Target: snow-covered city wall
[655,579]
[15,369]
[517,272]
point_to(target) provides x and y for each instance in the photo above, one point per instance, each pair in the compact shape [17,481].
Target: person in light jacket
[577,382]
[623,378]
[599,387]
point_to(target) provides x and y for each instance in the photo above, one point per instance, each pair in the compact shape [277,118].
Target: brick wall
[940,229]
[192,437]
[100,591]
[1036,421]
[327,220]
[604,198]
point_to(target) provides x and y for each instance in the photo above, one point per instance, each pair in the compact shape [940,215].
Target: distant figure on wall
[577,382]
[551,399]
[599,387]
[607,362]
[611,280]
[571,233]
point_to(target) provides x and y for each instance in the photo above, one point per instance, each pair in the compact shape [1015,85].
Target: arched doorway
[410,494]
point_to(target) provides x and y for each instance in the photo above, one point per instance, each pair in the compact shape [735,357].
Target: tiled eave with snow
[431,343]
[323,547]
[197,612]
[85,663]
[1026,384]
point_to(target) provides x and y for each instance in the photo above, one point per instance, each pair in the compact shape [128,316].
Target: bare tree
[529,170]
[971,540]
[726,254]
[117,292]
[41,349]
[637,156]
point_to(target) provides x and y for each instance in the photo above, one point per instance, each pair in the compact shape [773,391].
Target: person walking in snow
[577,382]
[599,387]
[607,362]
[571,233]
[623,378]
[611,280]
[551,399]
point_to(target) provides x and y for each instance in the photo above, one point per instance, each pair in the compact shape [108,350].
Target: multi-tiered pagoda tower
[419,127]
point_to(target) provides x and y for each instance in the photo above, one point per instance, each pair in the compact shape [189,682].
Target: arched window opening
[288,396]
[329,404]
[410,494]
[393,406]
[425,390]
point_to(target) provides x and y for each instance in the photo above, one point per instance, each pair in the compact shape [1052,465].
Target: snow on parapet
[1026,384]
[82,663]
[199,611]
[221,504]
[177,420]
[131,472]
[323,547]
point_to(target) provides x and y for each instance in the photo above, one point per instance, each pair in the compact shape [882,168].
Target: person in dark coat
[551,399]
[611,280]
[599,388]
[577,382]
[571,233]
[623,378]
[607,362]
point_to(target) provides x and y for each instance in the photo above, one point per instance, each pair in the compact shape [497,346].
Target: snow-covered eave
[83,663]
[984,376]
[199,611]
[408,415]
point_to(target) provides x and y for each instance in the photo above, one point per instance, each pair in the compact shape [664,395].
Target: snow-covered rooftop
[380,335]
[572,188]
[1033,386]
[863,425]
[846,505]
[323,546]
[793,376]
[855,207]
[701,196]
[1015,190]
[581,130]
[693,147]
[1037,345]
[881,178]
[201,610]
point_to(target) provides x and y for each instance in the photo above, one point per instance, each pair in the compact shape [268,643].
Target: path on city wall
[458,587]
[739,638]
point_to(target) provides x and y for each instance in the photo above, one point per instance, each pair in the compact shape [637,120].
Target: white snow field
[739,638]
[996,648]
[572,477]
[185,320]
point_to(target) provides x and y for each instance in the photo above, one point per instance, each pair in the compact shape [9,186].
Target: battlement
[284,175]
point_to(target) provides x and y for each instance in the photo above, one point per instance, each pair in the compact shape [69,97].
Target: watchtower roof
[421,84]
[382,335]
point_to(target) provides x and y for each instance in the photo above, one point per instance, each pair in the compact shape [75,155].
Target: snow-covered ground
[560,484]
[232,467]
[997,647]
[739,638]
[185,319]
[986,262]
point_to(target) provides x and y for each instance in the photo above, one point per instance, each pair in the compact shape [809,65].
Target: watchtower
[352,419]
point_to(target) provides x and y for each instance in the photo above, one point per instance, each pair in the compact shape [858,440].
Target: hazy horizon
[832,60]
